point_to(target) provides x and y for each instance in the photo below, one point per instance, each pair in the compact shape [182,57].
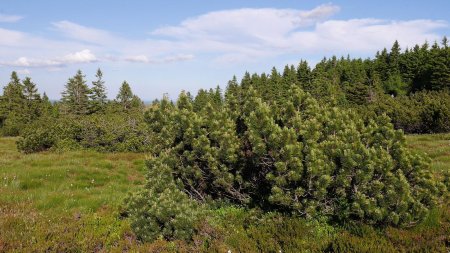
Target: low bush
[102,132]
[304,159]
[421,112]
[161,209]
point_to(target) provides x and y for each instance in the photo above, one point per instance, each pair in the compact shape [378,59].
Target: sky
[163,47]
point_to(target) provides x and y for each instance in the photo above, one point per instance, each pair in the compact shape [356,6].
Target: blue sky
[167,46]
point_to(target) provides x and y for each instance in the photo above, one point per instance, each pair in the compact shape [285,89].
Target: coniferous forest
[303,159]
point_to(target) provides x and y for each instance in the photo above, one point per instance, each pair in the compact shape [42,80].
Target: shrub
[302,157]
[161,209]
[421,112]
[37,138]
[117,132]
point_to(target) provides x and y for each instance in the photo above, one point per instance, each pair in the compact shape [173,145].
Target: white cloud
[137,58]
[176,58]
[251,34]
[364,35]
[9,18]
[225,37]
[254,24]
[26,62]
[10,37]
[84,56]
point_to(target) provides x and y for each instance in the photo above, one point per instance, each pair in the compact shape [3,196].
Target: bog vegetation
[317,151]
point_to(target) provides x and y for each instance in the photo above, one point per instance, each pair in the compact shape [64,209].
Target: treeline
[411,87]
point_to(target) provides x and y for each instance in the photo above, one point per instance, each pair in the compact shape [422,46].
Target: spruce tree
[304,75]
[46,105]
[33,99]
[98,96]
[13,96]
[125,96]
[75,97]
[440,68]
[12,107]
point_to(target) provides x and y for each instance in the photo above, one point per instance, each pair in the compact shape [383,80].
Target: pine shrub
[300,156]
[161,209]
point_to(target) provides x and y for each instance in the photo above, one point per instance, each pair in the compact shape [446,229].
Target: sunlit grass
[40,194]
[436,146]
[82,180]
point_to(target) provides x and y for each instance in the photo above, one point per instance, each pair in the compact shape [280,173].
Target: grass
[437,146]
[81,181]
[71,198]
[69,202]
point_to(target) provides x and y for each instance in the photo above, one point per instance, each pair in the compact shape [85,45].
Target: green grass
[436,146]
[71,198]
[81,181]
[69,202]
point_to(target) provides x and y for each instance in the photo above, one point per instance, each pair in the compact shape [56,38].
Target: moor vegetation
[304,160]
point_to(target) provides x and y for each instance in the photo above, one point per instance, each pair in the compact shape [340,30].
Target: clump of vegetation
[116,132]
[298,157]
[85,119]
[161,209]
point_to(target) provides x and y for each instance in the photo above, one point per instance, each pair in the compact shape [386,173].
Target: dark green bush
[161,209]
[117,132]
[422,112]
[37,139]
[299,157]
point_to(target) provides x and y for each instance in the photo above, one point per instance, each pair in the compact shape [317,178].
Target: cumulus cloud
[246,34]
[9,18]
[364,35]
[10,37]
[26,62]
[84,56]
[255,24]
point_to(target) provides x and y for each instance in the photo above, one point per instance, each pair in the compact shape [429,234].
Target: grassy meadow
[64,201]
[70,201]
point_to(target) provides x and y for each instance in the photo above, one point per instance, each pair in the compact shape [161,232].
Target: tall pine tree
[98,93]
[75,97]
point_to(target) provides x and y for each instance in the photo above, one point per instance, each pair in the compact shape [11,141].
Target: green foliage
[98,97]
[75,97]
[117,132]
[422,112]
[161,209]
[295,156]
[20,105]
[125,96]
[38,138]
